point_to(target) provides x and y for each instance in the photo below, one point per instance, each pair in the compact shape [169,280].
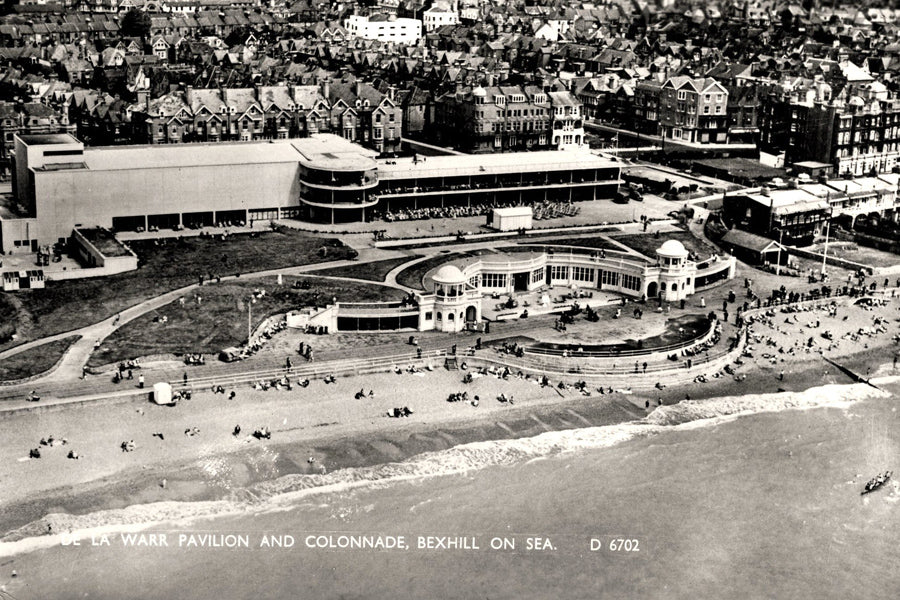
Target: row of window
[517,126]
[583,274]
[498,140]
[519,112]
[501,100]
[493,280]
[559,272]
[631,282]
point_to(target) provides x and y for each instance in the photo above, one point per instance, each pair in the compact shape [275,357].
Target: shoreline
[189,482]
[325,426]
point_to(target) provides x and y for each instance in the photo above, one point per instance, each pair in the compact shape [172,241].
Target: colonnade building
[59,185]
[458,288]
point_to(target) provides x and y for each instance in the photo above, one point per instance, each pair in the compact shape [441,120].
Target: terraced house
[694,110]
[508,118]
[354,110]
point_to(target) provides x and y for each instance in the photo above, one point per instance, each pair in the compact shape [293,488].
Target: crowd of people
[541,211]
[436,212]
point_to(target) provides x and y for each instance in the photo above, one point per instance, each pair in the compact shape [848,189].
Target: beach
[329,447]
[755,506]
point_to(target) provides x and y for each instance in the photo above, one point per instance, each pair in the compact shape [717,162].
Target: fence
[314,370]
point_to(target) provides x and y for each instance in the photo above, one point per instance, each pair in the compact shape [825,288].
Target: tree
[136,23]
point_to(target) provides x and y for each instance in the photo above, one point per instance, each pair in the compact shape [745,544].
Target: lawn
[36,360]
[370,271]
[584,242]
[219,320]
[861,254]
[7,318]
[412,277]
[166,265]
[647,245]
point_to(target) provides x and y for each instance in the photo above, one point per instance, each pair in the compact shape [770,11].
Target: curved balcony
[340,205]
[362,183]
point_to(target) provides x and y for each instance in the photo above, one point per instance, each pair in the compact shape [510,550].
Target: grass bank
[370,271]
[168,264]
[35,360]
[219,319]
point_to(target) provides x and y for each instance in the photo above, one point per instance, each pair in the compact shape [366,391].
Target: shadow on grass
[647,245]
[370,271]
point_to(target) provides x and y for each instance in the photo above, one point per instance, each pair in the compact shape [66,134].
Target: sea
[754,496]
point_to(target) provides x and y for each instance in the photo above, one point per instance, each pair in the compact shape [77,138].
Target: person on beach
[141,381]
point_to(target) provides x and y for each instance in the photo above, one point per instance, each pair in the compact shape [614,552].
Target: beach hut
[511,218]
[162,393]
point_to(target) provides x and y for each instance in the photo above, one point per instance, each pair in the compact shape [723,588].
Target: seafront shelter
[462,291]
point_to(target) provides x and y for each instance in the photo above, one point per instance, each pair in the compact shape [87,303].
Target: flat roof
[116,158]
[859,186]
[43,139]
[329,151]
[322,150]
[820,190]
[514,211]
[473,164]
[790,201]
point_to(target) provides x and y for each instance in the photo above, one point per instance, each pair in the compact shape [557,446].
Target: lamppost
[251,301]
[827,231]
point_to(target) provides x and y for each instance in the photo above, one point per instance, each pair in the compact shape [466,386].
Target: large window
[630,282]
[559,272]
[582,274]
[493,280]
[609,277]
[537,275]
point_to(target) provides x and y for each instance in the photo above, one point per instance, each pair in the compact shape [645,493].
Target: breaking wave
[283,492]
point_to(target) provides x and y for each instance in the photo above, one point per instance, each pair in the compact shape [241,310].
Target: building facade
[385,28]
[62,185]
[458,288]
[353,110]
[694,110]
[509,118]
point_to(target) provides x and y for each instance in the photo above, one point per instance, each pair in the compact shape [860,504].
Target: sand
[326,423]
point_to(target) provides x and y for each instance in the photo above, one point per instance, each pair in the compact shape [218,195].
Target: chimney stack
[326,87]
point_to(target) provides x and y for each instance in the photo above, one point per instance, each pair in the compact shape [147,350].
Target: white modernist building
[385,28]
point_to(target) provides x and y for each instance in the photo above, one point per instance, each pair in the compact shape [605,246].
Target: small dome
[672,249]
[479,91]
[449,274]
